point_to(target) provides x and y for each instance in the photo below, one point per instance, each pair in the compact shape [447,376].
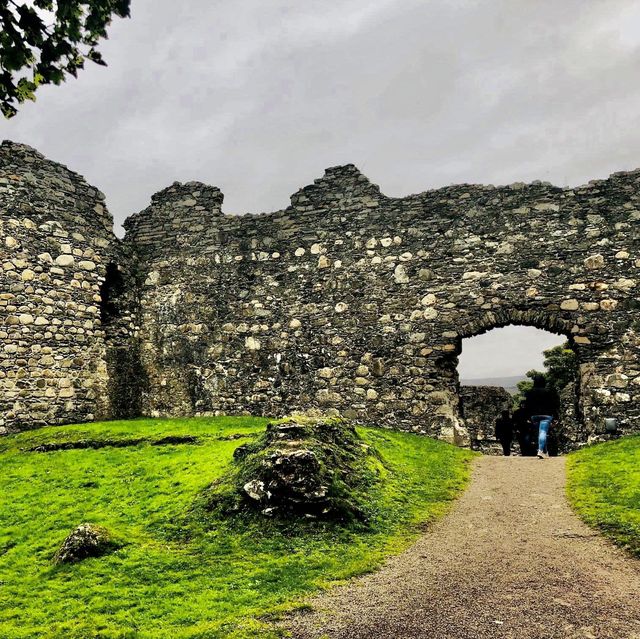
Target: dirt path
[510,561]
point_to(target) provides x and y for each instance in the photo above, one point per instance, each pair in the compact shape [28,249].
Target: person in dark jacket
[522,424]
[541,403]
[504,432]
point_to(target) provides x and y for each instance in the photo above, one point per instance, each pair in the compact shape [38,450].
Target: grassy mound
[301,467]
[604,489]
[219,580]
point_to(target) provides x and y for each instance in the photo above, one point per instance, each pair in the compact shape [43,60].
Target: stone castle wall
[352,301]
[55,242]
[480,407]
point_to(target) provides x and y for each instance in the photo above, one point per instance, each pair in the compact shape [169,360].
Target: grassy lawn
[173,578]
[604,489]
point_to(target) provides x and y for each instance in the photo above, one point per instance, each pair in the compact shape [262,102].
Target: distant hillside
[510,383]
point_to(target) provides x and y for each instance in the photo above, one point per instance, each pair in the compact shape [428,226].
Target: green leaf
[31,46]
[25,90]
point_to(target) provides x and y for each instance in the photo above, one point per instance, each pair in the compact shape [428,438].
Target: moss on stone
[87,540]
[300,467]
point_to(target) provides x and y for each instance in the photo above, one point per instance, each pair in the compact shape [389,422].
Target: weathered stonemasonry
[480,407]
[355,302]
[55,242]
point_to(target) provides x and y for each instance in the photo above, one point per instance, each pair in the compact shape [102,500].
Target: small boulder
[87,540]
[242,451]
[254,489]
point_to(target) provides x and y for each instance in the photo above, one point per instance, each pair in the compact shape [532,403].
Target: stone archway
[480,405]
[548,321]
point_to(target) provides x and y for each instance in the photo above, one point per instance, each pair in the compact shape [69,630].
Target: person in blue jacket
[541,403]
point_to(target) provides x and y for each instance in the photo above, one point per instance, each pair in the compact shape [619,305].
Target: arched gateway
[346,300]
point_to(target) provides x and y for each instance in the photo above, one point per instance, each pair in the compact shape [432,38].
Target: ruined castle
[346,300]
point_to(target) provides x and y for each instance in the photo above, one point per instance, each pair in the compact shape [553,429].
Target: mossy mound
[300,467]
[87,540]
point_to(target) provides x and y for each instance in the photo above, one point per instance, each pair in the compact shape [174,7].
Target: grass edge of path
[603,489]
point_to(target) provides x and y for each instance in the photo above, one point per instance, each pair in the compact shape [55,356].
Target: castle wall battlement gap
[346,300]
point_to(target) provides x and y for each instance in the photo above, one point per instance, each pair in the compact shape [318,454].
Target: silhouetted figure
[523,426]
[541,403]
[504,432]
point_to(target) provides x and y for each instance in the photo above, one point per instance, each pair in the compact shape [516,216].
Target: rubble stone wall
[480,407]
[347,300]
[352,301]
[55,242]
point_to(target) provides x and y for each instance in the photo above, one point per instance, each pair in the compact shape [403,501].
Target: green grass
[604,489]
[173,578]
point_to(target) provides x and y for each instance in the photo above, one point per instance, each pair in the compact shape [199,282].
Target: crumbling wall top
[340,186]
[38,188]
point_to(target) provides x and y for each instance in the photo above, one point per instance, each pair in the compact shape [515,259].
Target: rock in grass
[300,467]
[87,540]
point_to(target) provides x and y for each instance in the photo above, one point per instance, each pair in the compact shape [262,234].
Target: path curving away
[511,561]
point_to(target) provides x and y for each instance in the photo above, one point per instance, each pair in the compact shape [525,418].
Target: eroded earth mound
[301,467]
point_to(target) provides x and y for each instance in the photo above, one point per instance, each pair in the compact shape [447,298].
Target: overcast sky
[505,352]
[259,96]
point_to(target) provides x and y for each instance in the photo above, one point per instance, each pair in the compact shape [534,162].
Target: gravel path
[510,561]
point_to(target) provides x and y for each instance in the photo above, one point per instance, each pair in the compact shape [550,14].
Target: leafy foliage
[43,40]
[561,366]
[560,369]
